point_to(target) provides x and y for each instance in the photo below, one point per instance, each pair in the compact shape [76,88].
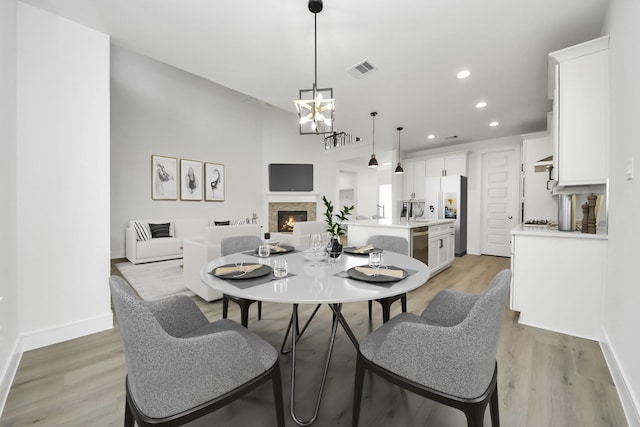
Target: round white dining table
[317,283]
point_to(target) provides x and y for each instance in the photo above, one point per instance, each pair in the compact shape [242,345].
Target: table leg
[334,328]
[338,315]
[298,335]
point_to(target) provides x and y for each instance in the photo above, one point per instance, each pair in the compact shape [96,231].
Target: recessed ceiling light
[481,104]
[431,136]
[494,124]
[463,74]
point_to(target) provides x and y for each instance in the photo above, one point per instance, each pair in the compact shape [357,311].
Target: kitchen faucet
[378,210]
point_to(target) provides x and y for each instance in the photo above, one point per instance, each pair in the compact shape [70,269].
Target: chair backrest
[215,235]
[390,243]
[482,328]
[142,336]
[235,244]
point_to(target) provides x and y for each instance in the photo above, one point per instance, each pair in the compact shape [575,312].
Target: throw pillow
[160,230]
[217,223]
[142,230]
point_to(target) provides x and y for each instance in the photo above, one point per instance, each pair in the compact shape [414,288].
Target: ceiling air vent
[361,69]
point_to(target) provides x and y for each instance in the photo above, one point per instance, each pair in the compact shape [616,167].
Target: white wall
[159,109]
[474,173]
[622,293]
[9,317]
[62,179]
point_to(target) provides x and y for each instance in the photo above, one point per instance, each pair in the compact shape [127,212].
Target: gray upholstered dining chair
[448,354]
[390,244]
[181,367]
[232,245]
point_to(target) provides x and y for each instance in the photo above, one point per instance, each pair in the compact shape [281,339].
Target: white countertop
[398,223]
[524,230]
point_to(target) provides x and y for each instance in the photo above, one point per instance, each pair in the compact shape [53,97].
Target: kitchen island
[558,278]
[431,241]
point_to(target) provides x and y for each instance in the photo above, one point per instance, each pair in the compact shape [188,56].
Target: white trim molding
[60,333]
[630,403]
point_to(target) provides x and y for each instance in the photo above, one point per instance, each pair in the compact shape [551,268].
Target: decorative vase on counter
[334,248]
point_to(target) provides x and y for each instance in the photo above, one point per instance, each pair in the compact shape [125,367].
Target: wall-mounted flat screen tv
[290,177]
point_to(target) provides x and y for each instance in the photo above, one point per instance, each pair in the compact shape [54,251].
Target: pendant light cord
[315,52]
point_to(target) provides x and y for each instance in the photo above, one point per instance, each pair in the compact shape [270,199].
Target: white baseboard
[45,337]
[9,373]
[630,405]
[60,333]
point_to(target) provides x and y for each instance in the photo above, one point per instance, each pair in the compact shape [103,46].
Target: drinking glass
[375,260]
[280,268]
[263,251]
[315,242]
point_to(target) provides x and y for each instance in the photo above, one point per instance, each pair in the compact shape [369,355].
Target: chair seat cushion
[263,350]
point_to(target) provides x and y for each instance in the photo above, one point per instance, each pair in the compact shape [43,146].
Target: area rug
[155,279]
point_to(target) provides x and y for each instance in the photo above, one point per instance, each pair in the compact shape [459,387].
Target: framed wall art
[164,178]
[214,182]
[191,180]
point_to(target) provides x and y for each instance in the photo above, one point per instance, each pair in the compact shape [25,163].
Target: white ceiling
[265,49]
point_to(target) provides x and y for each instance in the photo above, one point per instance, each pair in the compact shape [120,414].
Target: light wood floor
[545,378]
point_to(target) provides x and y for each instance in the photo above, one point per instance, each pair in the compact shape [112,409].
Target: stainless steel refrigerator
[445,197]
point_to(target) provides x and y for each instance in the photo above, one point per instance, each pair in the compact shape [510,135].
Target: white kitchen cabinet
[580,85]
[441,247]
[413,179]
[557,280]
[449,164]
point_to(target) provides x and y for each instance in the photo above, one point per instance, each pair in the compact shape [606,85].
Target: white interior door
[500,186]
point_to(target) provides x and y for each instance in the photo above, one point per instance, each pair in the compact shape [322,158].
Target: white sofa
[198,252]
[163,248]
[299,238]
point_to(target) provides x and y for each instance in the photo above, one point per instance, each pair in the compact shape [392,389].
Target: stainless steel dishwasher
[420,243]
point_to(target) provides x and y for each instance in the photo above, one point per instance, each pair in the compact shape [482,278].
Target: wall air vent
[361,69]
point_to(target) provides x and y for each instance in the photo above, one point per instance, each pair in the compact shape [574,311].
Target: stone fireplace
[285,214]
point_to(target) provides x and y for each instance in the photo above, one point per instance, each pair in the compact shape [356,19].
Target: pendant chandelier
[399,170]
[315,106]
[373,163]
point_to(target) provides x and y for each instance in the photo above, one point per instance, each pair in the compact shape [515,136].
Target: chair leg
[370,303]
[403,302]
[277,395]
[357,392]
[259,310]
[386,311]
[244,314]
[225,306]
[128,415]
[494,409]
[475,414]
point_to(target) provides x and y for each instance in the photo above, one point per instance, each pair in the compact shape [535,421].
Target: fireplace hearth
[286,220]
